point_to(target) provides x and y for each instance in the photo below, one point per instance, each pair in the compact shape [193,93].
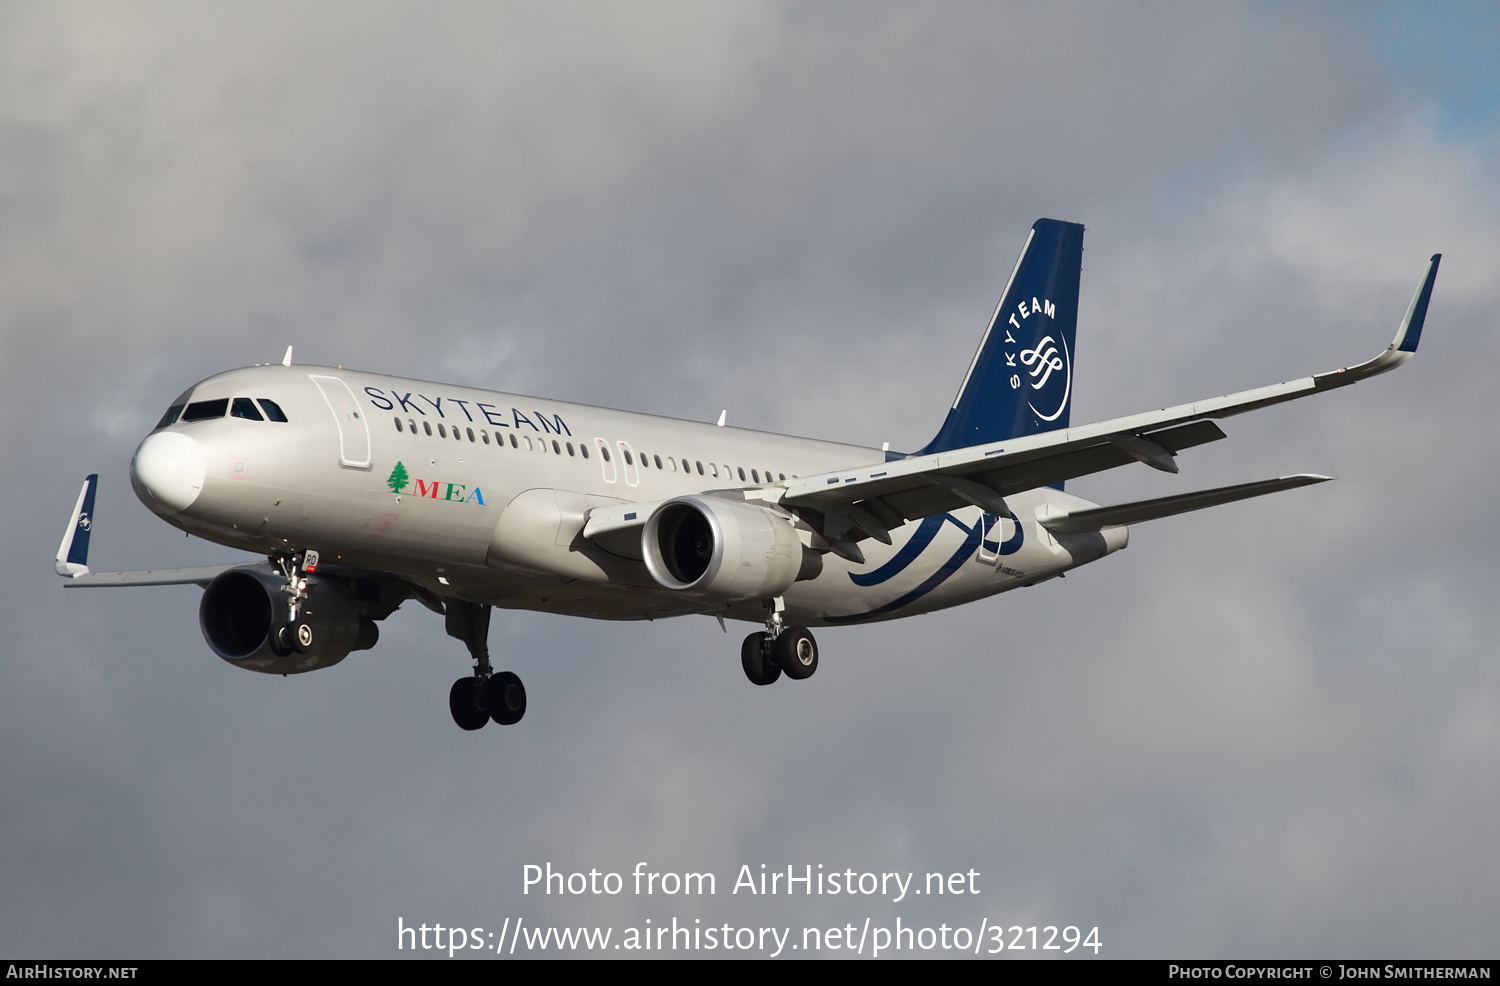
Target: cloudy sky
[1270,729]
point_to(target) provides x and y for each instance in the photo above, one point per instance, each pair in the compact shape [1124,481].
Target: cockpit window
[203,410]
[170,416]
[272,409]
[244,407]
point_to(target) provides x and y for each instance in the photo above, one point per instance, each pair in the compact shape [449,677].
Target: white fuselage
[483,496]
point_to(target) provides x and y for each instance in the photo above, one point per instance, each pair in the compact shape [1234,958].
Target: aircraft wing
[869,501]
[200,575]
[73,554]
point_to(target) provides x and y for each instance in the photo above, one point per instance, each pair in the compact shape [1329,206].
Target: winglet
[287,359]
[1401,348]
[73,553]
[1410,332]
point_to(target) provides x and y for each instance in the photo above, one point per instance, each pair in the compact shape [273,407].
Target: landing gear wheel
[797,652]
[462,703]
[753,657]
[505,698]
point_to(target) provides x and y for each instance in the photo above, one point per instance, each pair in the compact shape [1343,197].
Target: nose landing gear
[486,695]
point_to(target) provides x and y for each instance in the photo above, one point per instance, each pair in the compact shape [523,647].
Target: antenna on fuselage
[287,359]
[721,416]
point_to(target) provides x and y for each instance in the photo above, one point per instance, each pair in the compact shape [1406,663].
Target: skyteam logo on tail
[1047,361]
[1021,380]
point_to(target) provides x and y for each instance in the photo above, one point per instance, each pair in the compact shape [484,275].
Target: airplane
[361,490]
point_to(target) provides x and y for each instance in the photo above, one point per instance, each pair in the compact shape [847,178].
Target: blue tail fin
[1021,380]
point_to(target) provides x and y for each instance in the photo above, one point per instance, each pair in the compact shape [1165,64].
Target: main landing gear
[779,648]
[485,695]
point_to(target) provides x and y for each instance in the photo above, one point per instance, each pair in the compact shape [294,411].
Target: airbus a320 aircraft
[361,491]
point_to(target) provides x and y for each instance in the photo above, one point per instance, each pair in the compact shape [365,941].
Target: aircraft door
[354,432]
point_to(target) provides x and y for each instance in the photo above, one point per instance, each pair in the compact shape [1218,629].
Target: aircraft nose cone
[167,471]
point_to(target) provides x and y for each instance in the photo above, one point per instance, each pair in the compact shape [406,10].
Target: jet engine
[244,619]
[724,550]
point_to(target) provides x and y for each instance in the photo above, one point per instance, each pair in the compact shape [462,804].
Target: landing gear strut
[285,638]
[765,655]
[485,695]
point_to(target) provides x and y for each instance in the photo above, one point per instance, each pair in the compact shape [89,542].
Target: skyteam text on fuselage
[361,491]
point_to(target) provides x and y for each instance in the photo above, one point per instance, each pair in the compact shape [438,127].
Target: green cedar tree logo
[398,479]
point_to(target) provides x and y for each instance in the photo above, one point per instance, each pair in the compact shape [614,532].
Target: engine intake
[243,618]
[724,550]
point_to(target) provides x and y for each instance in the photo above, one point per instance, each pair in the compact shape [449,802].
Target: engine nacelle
[244,619]
[725,550]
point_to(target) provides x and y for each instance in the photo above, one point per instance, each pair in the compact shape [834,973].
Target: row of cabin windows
[646,461]
[240,407]
[484,437]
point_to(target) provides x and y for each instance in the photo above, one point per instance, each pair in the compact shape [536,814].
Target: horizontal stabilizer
[1166,506]
[196,575]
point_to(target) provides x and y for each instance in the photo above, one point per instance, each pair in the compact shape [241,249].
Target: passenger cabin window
[742,474]
[170,416]
[427,427]
[398,424]
[556,448]
[442,432]
[470,433]
[273,410]
[204,410]
[513,441]
[700,468]
[486,436]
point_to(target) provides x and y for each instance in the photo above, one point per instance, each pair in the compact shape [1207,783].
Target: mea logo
[1046,357]
[433,489]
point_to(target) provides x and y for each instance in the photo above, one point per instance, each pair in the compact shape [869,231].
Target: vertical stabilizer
[1021,379]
